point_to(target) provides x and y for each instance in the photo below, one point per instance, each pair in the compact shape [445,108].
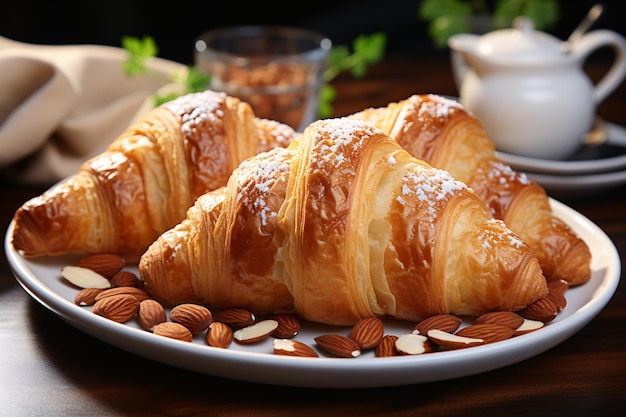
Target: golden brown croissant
[444,134]
[343,224]
[142,185]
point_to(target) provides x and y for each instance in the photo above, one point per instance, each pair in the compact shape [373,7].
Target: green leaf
[197,80]
[327,96]
[370,48]
[432,9]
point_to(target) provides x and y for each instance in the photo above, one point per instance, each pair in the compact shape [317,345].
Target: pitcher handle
[617,72]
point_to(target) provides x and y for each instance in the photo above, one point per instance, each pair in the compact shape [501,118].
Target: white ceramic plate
[42,280]
[579,183]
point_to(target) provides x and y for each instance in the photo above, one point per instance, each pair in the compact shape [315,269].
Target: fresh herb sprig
[366,50]
[140,51]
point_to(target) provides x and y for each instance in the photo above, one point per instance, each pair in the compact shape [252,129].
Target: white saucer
[578,184]
[568,167]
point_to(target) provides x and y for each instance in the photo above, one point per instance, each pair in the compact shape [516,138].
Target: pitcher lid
[521,43]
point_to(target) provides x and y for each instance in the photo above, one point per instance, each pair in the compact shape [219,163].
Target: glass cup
[277,70]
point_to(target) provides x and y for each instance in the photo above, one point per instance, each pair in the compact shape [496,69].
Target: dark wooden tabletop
[48,367]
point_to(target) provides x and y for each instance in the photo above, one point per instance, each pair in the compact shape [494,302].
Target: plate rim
[562,167]
[326,372]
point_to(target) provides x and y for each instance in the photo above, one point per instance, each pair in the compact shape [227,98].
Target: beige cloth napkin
[60,105]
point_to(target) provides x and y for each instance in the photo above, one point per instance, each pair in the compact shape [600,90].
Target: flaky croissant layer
[122,200]
[444,134]
[341,225]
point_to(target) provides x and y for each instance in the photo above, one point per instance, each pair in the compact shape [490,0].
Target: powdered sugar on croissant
[343,224]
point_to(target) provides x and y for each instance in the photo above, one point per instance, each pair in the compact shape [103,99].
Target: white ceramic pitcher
[529,89]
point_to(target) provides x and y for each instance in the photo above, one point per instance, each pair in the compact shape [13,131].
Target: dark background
[174,25]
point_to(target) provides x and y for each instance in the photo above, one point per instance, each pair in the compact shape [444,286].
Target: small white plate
[256,363]
[567,167]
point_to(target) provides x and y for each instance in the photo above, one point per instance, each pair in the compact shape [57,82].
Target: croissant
[340,225]
[441,132]
[142,185]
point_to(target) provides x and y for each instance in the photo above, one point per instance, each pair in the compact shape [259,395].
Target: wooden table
[48,367]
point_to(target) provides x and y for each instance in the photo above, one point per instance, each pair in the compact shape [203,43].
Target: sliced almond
[236,318]
[529,326]
[119,308]
[151,313]
[193,316]
[413,344]
[173,331]
[256,332]
[289,347]
[444,322]
[288,326]
[502,318]
[87,296]
[453,341]
[84,277]
[387,346]
[338,345]
[219,335]
[368,332]
[105,264]
[490,333]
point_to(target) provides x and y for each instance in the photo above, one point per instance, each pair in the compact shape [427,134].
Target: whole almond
[256,332]
[503,318]
[288,326]
[387,346]
[173,331]
[368,332]
[338,345]
[138,293]
[288,347]
[87,296]
[193,316]
[490,333]
[119,308]
[557,298]
[105,264]
[219,335]
[236,318]
[559,285]
[151,313]
[543,310]
[444,322]
[124,279]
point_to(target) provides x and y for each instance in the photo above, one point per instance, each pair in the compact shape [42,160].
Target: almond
[105,264]
[413,344]
[444,322]
[173,331]
[529,326]
[387,346]
[490,333]
[453,341]
[193,316]
[503,318]
[87,296]
[288,326]
[559,285]
[288,347]
[368,332]
[84,277]
[338,345]
[151,313]
[543,310]
[124,279]
[557,298]
[119,308]
[236,318]
[138,293]
[219,335]
[256,332]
